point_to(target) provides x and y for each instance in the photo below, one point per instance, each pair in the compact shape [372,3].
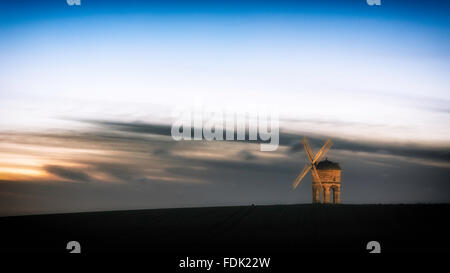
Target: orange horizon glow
[8,173]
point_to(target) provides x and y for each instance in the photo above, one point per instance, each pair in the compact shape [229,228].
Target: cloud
[394,148]
[293,141]
[247,155]
[68,173]
[133,127]
[151,170]
[125,171]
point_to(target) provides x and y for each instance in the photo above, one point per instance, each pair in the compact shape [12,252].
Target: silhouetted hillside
[234,230]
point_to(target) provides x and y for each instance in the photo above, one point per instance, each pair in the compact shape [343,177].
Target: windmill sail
[313,159]
[323,152]
[301,175]
[331,176]
[308,149]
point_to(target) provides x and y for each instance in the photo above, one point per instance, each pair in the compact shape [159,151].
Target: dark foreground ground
[255,231]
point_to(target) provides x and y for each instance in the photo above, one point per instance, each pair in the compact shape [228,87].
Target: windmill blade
[323,151]
[316,174]
[301,175]
[308,149]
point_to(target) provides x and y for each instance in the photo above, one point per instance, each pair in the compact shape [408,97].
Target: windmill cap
[328,165]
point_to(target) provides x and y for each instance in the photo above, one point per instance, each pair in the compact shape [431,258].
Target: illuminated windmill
[326,175]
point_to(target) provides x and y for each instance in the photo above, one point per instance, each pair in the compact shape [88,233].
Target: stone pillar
[316,194]
[326,195]
[337,195]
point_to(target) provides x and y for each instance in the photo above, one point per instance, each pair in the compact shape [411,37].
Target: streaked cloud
[139,157]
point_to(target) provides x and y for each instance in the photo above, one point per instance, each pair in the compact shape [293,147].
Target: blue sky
[348,52]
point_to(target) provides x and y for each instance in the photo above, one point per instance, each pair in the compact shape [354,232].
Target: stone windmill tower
[326,175]
[330,179]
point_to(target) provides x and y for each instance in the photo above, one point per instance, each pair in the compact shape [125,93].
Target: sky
[87,95]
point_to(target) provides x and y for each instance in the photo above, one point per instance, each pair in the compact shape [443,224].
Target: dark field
[232,231]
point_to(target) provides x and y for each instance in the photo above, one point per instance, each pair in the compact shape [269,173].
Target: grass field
[235,230]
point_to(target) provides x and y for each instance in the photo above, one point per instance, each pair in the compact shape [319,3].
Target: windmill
[326,175]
